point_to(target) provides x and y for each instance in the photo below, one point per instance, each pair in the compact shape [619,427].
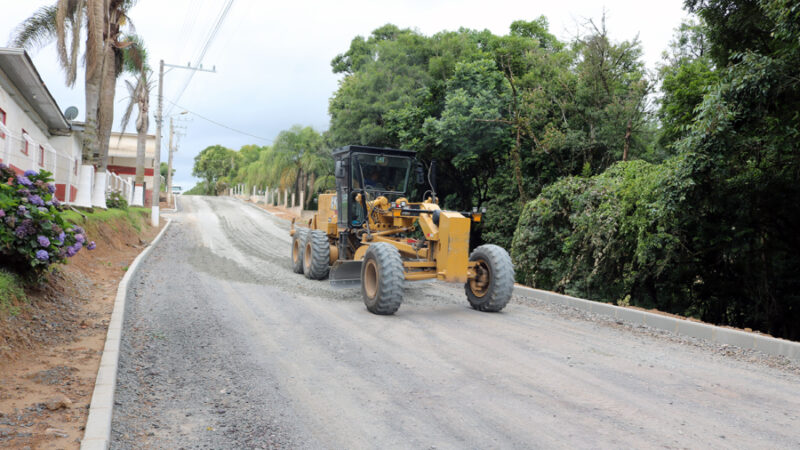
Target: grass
[11,293]
[134,216]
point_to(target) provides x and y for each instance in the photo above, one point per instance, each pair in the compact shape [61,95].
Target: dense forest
[675,190]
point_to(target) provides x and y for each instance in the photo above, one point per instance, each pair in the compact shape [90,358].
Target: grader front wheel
[382,279]
[317,255]
[493,284]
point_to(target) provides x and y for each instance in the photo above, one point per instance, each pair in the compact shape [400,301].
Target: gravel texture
[225,347]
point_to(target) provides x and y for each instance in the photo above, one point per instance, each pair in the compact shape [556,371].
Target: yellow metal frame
[445,255]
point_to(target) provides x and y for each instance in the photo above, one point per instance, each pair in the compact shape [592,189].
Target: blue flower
[91,246]
[80,238]
[42,209]
[51,188]
[24,181]
[43,241]
[36,200]
[42,255]
[71,252]
[61,237]
[31,173]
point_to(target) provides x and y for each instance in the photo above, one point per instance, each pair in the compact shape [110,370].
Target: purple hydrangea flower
[3,166]
[42,209]
[20,232]
[48,203]
[71,252]
[24,192]
[24,181]
[2,213]
[22,209]
[31,173]
[80,238]
[91,246]
[56,202]
[61,236]
[42,255]
[79,230]
[36,200]
[51,188]
[77,246]
[43,241]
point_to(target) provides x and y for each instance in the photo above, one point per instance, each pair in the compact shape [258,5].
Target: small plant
[33,233]
[116,200]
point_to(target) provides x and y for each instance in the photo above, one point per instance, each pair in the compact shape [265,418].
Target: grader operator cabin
[369,233]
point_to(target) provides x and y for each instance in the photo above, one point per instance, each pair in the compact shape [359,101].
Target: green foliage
[116,200]
[711,232]
[215,164]
[11,293]
[33,233]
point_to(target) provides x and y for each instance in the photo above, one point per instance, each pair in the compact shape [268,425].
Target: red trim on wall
[125,170]
[73,191]
[61,190]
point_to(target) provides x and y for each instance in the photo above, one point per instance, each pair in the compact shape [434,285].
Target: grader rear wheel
[382,278]
[298,246]
[493,284]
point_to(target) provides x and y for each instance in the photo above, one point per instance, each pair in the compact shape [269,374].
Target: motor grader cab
[368,233]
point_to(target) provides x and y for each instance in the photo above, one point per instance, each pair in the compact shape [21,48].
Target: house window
[24,142]
[41,156]
[2,119]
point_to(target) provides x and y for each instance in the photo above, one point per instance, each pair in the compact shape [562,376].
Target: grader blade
[345,274]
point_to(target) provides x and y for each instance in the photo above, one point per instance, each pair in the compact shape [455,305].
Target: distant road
[225,347]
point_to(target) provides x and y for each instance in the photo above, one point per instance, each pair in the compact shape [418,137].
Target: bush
[116,200]
[33,234]
[612,237]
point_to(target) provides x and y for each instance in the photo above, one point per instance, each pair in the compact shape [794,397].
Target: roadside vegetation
[674,190]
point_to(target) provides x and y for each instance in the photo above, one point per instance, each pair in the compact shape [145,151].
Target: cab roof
[347,149]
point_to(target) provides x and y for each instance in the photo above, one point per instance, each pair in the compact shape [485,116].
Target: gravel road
[225,347]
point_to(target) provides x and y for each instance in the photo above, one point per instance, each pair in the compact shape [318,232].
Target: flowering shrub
[116,200]
[33,235]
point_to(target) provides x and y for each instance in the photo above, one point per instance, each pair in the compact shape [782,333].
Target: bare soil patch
[50,352]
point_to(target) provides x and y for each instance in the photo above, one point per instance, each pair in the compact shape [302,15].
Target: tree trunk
[312,178]
[105,115]
[94,76]
[627,141]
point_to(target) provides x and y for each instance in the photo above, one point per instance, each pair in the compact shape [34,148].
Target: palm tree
[102,18]
[135,61]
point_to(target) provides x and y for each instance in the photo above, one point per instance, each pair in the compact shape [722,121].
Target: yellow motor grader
[367,232]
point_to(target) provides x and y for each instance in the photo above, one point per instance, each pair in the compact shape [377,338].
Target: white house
[34,134]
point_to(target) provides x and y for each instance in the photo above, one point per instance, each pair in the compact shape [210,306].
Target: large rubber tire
[317,255]
[492,289]
[298,244]
[382,279]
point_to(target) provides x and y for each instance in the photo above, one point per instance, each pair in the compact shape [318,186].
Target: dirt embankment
[50,350]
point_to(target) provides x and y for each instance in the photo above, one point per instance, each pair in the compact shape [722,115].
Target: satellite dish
[71,113]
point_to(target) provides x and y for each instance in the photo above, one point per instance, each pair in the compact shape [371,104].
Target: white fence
[24,153]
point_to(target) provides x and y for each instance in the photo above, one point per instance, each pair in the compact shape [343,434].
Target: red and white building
[34,134]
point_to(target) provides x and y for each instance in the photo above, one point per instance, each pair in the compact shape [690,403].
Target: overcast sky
[273,58]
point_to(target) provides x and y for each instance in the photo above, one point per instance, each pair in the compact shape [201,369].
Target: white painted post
[302,197]
[292,200]
[285,198]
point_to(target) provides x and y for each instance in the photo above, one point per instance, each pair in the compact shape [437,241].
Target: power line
[209,40]
[218,123]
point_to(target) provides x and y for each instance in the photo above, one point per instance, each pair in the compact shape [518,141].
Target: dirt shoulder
[50,351]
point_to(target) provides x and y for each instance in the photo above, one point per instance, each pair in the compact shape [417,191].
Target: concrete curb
[713,333]
[98,426]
